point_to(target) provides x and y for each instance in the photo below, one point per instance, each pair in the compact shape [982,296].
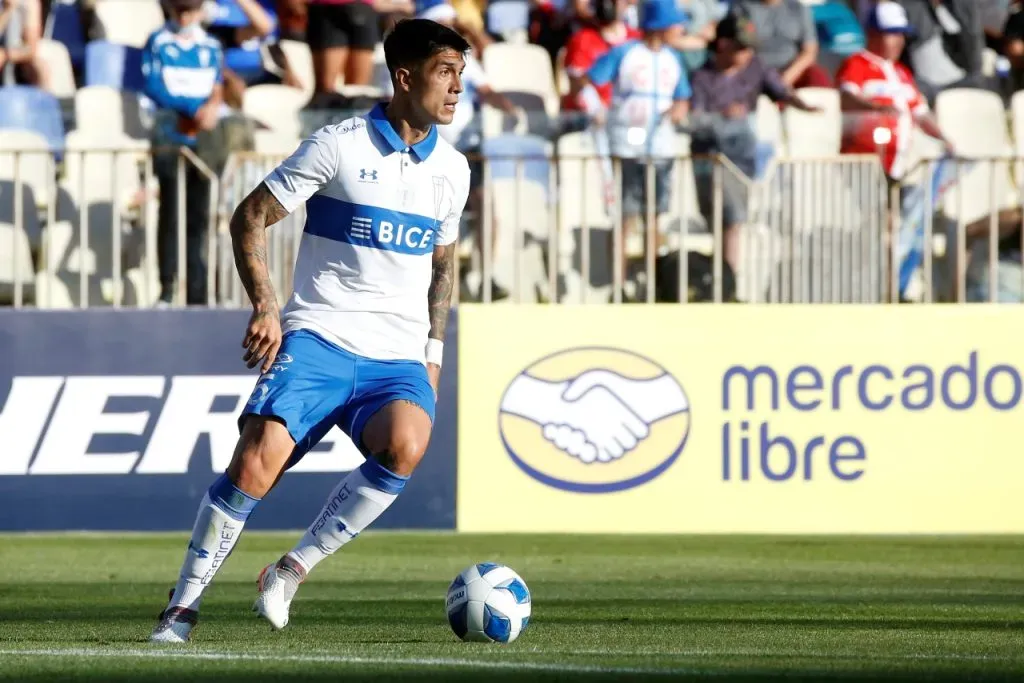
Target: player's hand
[206,116]
[434,375]
[262,338]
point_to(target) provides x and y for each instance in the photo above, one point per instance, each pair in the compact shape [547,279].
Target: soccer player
[363,330]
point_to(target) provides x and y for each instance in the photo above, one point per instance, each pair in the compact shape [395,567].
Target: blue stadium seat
[65,26]
[113,65]
[24,107]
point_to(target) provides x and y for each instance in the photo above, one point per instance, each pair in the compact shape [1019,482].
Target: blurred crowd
[636,73]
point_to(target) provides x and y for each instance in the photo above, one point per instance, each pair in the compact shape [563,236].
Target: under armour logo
[371,174]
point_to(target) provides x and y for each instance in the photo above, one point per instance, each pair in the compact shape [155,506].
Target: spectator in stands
[593,40]
[881,105]
[650,97]
[21,28]
[787,40]
[342,35]
[724,104]
[880,100]
[292,19]
[703,17]
[182,66]
[1013,46]
[945,48]
[252,55]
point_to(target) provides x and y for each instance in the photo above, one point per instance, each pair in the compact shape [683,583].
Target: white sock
[353,505]
[219,521]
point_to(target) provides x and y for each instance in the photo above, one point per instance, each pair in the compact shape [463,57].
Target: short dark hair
[413,41]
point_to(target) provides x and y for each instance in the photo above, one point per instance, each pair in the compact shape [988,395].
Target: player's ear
[403,79]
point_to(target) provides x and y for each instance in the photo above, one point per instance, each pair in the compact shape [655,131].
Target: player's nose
[456,85]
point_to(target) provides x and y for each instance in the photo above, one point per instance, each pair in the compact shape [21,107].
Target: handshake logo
[594,420]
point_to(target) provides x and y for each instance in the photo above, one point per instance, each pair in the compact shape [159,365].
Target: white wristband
[435,351]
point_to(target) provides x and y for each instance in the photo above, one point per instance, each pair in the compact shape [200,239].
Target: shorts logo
[368,176]
[594,420]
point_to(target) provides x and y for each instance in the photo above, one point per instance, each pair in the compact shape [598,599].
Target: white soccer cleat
[271,603]
[175,627]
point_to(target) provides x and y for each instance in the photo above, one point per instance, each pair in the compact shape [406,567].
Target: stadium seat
[505,152]
[581,204]
[814,135]
[15,262]
[129,22]
[102,109]
[101,175]
[23,107]
[27,156]
[300,59]
[62,75]
[523,69]
[64,25]
[113,65]
[769,125]
[275,106]
[975,122]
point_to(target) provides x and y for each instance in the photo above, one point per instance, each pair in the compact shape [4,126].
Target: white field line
[156,653]
[347,659]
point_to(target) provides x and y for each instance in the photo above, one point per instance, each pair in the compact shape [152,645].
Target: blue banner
[119,420]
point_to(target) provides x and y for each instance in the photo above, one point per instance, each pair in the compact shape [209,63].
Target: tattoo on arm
[439,296]
[249,226]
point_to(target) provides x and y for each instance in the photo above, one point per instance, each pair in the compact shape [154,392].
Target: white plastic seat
[975,122]
[102,174]
[300,59]
[27,155]
[275,106]
[58,62]
[521,68]
[814,135]
[101,109]
[129,22]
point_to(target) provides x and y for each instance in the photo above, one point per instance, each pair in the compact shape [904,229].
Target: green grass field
[79,607]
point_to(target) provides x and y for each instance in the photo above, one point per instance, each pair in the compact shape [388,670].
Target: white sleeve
[306,171]
[449,230]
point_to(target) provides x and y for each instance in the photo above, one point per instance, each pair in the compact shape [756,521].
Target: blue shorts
[314,385]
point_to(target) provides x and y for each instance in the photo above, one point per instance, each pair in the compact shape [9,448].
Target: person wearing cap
[881,103]
[650,97]
[182,67]
[724,104]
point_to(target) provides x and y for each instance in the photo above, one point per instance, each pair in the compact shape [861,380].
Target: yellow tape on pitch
[779,419]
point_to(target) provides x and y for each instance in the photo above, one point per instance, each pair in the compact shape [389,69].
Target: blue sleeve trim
[382,478]
[234,502]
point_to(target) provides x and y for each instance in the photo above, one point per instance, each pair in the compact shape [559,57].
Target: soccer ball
[488,602]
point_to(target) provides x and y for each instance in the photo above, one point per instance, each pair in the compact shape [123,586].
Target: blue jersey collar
[421,149]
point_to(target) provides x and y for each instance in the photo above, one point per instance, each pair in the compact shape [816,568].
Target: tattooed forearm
[249,241]
[439,296]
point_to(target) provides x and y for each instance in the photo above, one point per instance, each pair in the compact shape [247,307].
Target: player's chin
[446,114]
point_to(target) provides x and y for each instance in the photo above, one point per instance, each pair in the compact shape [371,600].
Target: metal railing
[80,229]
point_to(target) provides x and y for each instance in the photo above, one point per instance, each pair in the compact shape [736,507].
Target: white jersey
[375,210]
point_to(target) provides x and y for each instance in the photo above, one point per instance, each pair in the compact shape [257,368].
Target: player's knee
[404,451]
[262,452]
